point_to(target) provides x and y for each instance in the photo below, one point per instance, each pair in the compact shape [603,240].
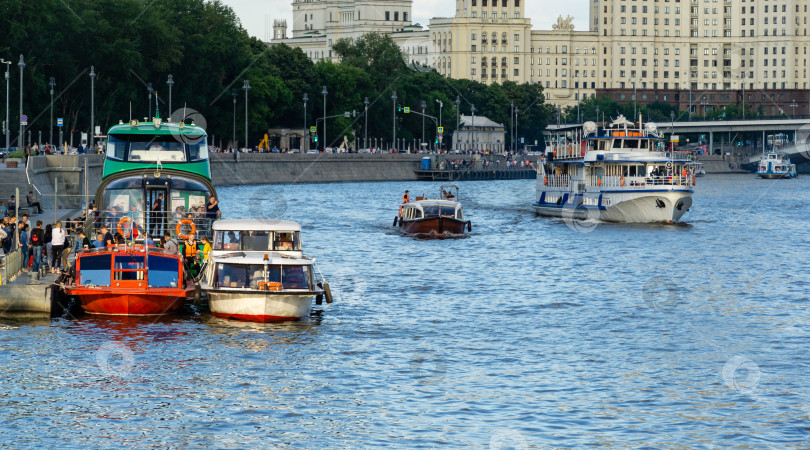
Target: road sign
[59,122]
[313,129]
[441,135]
[674,138]
[407,110]
[441,130]
[23,120]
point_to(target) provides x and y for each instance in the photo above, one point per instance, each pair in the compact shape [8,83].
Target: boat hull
[109,301]
[775,176]
[256,306]
[433,225]
[655,207]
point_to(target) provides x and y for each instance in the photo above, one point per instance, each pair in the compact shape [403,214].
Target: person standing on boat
[212,209]
[406,198]
[157,209]
[108,237]
[190,251]
[169,243]
[206,248]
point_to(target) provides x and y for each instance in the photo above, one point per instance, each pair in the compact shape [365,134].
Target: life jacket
[406,198]
[191,250]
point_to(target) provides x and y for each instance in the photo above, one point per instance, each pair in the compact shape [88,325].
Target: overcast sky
[543,13]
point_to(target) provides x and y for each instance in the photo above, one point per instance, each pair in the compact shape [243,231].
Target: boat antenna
[130,110]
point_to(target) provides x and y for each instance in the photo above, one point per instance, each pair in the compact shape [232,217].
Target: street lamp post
[394,118]
[365,136]
[52,84]
[149,103]
[233,137]
[597,114]
[21,65]
[742,82]
[8,77]
[170,82]
[793,106]
[517,142]
[423,105]
[324,92]
[472,125]
[635,113]
[511,126]
[579,100]
[92,107]
[246,87]
[304,145]
[441,105]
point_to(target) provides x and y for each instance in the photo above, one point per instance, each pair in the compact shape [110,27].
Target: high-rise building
[700,55]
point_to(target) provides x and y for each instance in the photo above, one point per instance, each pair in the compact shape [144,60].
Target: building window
[396,16]
[404,16]
[387,15]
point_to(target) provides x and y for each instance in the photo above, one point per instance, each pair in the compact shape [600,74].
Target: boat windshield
[95,270]
[154,148]
[252,276]
[257,240]
[444,211]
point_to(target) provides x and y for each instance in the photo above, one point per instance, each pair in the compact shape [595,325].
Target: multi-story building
[697,54]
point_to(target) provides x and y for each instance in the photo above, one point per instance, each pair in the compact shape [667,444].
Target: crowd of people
[49,247]
[472,164]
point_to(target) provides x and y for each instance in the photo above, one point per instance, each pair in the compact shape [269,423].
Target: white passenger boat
[776,165]
[258,272]
[621,174]
[696,168]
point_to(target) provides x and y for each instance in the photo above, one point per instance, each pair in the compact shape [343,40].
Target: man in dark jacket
[37,245]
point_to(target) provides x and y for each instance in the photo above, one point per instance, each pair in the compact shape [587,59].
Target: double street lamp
[246,87]
[394,117]
[8,77]
[233,137]
[170,82]
[303,143]
[324,92]
[21,65]
[365,139]
[52,84]
[92,107]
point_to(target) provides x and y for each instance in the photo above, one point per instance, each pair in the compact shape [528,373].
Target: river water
[530,332]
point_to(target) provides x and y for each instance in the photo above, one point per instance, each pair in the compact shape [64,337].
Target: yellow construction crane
[264,144]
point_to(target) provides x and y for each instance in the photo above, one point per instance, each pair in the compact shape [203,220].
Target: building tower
[280,29]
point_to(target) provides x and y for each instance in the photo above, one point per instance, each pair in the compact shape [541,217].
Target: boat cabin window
[151,148]
[129,267]
[163,271]
[95,270]
[228,240]
[287,240]
[254,276]
[436,210]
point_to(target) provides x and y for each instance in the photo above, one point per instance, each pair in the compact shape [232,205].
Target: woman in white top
[58,242]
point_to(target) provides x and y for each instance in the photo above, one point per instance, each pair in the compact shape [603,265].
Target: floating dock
[476,174]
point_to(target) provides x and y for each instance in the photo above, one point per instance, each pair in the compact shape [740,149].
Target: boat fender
[319,299]
[180,227]
[327,292]
[693,180]
[197,295]
[395,220]
[401,222]
[441,226]
[621,181]
[545,180]
[469,226]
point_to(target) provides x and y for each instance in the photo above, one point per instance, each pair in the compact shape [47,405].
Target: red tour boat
[438,216]
[132,280]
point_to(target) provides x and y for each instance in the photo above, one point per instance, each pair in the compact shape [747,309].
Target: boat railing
[12,266]
[562,180]
[569,150]
[153,222]
[641,182]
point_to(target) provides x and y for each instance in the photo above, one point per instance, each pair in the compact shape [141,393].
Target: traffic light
[436,141]
[399,109]
[316,138]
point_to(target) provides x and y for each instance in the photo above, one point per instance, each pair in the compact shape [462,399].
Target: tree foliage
[132,43]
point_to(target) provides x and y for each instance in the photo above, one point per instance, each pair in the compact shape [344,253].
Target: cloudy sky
[543,13]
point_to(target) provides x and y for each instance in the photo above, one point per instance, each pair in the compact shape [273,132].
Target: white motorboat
[623,174]
[776,165]
[257,271]
[696,168]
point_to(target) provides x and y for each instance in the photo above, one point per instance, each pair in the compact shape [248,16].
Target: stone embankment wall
[260,168]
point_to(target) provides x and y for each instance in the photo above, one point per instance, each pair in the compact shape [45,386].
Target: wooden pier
[476,174]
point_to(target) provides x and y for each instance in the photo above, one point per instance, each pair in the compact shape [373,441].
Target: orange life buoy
[599,180]
[269,286]
[180,226]
[545,180]
[121,223]
[621,181]
[133,230]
